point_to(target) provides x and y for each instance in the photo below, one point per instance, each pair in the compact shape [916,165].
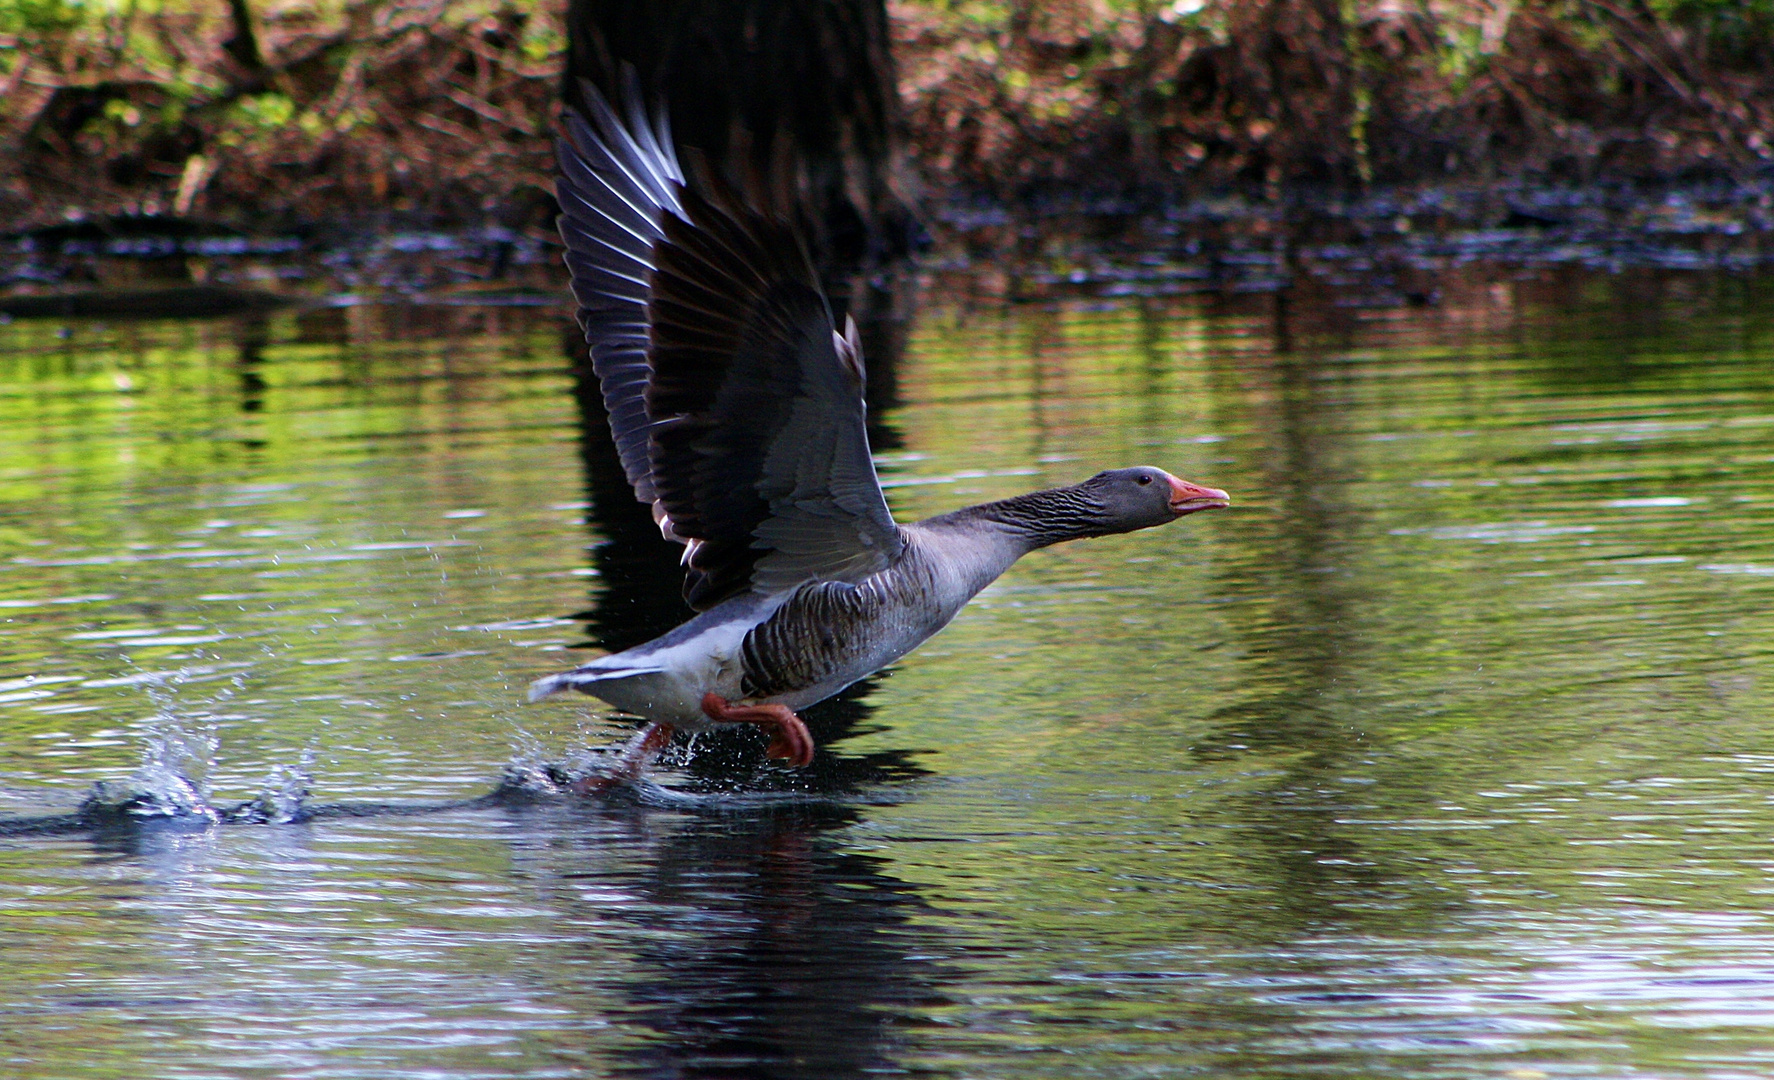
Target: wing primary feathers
[616,187]
[627,154]
[655,137]
[734,402]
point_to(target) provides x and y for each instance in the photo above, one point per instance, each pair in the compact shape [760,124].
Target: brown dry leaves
[431,106]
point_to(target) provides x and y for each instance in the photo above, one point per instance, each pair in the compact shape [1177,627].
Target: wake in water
[168,792]
[718,772]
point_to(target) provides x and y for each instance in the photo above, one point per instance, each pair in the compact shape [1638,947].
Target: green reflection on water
[1484,633]
[1443,753]
[286,522]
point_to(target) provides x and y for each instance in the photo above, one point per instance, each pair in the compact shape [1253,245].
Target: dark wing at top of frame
[736,405]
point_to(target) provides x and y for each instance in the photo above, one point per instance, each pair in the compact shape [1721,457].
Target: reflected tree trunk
[639,590]
[1296,618]
[757,943]
[253,336]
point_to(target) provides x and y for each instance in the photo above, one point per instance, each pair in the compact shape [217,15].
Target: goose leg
[637,755]
[789,738]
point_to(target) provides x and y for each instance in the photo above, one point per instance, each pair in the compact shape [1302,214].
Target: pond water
[1445,753]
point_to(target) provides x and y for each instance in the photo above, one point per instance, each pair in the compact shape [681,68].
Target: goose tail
[582,679]
[550,685]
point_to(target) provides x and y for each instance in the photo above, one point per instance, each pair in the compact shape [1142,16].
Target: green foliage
[983,16]
[262,112]
[27,25]
[542,41]
[38,19]
[258,118]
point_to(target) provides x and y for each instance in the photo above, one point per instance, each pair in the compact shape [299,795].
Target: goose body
[798,647]
[736,407]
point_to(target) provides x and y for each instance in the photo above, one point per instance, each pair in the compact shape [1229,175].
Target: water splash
[175,768]
[533,775]
[283,801]
[179,803]
[532,781]
[171,785]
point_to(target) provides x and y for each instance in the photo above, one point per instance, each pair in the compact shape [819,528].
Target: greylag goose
[737,410]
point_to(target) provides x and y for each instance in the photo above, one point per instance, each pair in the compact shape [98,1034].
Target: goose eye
[1144,479]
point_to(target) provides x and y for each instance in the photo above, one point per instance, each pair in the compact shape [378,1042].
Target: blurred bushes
[442,108]
[434,108]
[1101,96]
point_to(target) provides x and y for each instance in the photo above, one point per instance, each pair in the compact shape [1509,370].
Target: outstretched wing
[618,184]
[749,402]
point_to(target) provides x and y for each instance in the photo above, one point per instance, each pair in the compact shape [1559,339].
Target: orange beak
[1186,498]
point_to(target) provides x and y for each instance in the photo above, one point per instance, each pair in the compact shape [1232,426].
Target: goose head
[1144,496]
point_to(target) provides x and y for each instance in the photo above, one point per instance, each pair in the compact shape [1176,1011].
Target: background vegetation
[277,111]
[1255,94]
[435,107]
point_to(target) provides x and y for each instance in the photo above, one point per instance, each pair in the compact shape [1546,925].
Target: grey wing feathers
[735,405]
[760,454]
[828,517]
[617,183]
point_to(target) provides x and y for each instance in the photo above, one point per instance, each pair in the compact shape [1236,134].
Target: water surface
[1443,754]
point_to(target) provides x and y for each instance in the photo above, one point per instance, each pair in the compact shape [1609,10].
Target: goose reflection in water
[749,943]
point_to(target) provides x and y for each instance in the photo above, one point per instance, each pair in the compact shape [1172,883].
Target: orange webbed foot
[636,756]
[789,739]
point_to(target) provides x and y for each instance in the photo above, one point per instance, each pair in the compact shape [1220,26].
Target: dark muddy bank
[1382,250]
